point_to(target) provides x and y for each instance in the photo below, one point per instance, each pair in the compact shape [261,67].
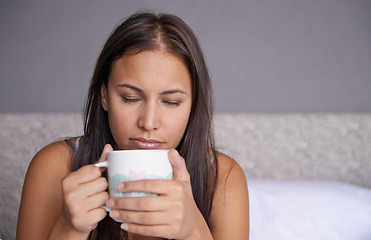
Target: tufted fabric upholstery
[299,146]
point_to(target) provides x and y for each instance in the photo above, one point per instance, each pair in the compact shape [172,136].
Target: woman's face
[148,100]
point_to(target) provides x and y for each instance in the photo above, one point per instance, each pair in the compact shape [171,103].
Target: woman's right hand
[84,194]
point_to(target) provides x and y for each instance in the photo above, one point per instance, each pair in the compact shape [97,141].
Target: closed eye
[130,100]
[172,104]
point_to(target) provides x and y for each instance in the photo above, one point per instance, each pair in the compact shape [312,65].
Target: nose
[149,117]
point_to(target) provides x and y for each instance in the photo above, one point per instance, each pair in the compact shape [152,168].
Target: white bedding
[308,210]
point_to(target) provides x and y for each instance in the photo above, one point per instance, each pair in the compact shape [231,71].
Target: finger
[86,173]
[142,218]
[157,203]
[93,187]
[148,230]
[83,175]
[107,148]
[96,201]
[156,186]
[94,216]
[87,220]
[82,199]
[103,157]
[180,172]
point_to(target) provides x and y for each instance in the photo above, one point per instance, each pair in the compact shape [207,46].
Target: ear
[104,96]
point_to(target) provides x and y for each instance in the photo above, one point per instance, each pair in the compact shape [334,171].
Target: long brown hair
[146,31]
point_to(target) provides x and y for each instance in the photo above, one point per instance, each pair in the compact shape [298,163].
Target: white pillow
[310,210]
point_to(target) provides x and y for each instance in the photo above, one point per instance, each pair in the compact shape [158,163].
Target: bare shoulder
[55,156]
[41,199]
[48,167]
[229,168]
[231,201]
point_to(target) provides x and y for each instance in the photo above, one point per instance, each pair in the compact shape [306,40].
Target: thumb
[180,172]
[103,157]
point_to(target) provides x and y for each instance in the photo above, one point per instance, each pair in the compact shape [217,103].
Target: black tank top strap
[74,147]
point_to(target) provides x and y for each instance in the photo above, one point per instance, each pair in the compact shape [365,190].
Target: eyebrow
[130,86]
[171,91]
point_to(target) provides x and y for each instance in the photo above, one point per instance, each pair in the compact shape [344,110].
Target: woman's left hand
[172,214]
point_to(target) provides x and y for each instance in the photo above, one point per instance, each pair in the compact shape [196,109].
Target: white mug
[129,165]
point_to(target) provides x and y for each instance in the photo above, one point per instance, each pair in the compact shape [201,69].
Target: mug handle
[101,164]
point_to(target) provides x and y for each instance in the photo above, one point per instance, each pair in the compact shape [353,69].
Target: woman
[150,89]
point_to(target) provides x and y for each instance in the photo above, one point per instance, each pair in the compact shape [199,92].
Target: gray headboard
[299,146]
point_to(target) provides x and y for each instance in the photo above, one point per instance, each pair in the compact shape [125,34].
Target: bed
[309,175]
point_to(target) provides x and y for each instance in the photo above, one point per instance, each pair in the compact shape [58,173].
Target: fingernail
[110,204]
[107,145]
[175,152]
[124,226]
[114,214]
[120,186]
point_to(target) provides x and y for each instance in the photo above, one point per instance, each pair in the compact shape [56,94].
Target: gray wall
[263,55]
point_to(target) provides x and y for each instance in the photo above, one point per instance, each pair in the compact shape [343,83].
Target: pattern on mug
[117,178]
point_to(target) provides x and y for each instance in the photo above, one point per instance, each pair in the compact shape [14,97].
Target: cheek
[177,128]
[118,122]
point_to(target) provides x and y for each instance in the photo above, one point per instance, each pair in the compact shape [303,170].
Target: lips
[146,143]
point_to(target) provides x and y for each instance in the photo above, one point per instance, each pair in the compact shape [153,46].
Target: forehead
[148,67]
